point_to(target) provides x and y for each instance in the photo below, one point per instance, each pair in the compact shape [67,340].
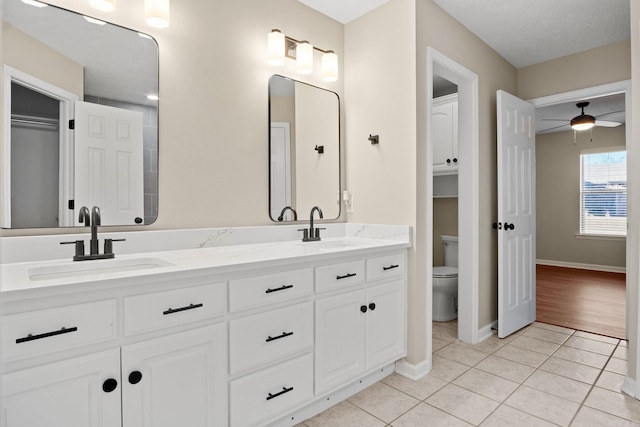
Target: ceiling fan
[586,121]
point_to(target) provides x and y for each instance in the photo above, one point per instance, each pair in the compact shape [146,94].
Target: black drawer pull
[280,393]
[178,310]
[281,288]
[346,276]
[392,266]
[284,335]
[46,335]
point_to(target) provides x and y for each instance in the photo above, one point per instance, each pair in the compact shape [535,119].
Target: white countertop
[25,279]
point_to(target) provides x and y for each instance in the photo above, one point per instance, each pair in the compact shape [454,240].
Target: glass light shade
[93,20]
[304,58]
[583,122]
[329,66]
[34,3]
[103,5]
[275,48]
[157,13]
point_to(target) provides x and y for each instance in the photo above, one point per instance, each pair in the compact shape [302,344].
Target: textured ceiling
[343,10]
[527,32]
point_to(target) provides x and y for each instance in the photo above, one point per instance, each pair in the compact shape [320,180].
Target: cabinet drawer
[336,276]
[385,266]
[269,288]
[147,312]
[263,395]
[47,331]
[268,336]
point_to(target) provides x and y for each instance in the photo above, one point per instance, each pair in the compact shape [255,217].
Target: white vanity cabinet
[444,134]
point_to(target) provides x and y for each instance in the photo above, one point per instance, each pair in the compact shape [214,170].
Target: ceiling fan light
[583,122]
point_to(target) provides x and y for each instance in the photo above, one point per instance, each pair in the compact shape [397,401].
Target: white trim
[581,266]
[599,237]
[67,100]
[413,372]
[631,387]
[468,190]
[487,330]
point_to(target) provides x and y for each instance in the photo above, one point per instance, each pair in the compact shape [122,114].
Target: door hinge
[72,204]
[72,124]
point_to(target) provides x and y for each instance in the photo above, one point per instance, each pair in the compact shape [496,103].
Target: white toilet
[445,282]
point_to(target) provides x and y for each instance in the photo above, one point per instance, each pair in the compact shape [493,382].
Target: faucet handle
[108,245]
[305,234]
[317,234]
[79,247]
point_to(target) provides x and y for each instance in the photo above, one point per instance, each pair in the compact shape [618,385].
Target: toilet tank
[450,244]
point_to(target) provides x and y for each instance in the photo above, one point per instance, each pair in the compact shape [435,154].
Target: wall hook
[374,139]
[319,149]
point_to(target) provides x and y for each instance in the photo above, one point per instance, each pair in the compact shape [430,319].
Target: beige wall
[213,127]
[558,199]
[606,64]
[445,221]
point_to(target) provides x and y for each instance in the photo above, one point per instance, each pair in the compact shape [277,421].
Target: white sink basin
[329,244]
[95,267]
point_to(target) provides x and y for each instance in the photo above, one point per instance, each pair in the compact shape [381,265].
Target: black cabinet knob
[109,385]
[448,161]
[455,160]
[363,308]
[135,377]
[372,306]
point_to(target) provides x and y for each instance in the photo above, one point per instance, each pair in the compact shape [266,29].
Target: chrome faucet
[284,210]
[92,221]
[312,234]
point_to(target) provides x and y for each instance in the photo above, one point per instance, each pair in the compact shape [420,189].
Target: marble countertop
[23,279]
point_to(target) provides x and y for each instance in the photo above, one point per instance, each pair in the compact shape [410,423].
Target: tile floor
[543,375]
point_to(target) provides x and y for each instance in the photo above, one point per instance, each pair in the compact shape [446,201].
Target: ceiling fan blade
[607,124]
[612,112]
[553,128]
[556,120]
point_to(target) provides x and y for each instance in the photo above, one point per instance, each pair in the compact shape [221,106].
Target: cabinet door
[385,324]
[454,132]
[442,136]
[178,380]
[340,339]
[79,392]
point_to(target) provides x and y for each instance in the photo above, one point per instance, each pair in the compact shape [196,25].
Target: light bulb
[157,13]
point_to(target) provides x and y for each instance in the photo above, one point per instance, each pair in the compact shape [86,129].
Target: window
[603,192]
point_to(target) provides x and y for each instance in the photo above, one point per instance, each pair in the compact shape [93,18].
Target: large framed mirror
[80,119]
[304,150]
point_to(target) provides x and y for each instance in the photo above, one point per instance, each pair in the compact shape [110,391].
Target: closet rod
[30,120]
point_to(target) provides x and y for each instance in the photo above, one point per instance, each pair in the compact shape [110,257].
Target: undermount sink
[96,267]
[329,244]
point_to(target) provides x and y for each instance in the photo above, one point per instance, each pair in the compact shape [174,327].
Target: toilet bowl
[445,282]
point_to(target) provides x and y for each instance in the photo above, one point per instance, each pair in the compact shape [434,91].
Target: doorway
[468,190]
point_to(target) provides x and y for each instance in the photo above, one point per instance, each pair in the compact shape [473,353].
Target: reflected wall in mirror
[304,149]
[80,119]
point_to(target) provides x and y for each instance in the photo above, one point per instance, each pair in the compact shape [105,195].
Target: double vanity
[227,332]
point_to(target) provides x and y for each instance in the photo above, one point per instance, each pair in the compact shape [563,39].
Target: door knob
[497,226]
[508,226]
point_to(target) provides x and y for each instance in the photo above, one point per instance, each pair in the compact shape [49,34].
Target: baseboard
[411,371]
[595,267]
[631,387]
[486,331]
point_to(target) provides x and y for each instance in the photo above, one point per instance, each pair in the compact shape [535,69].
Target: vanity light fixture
[157,13]
[34,3]
[152,97]
[93,20]
[103,5]
[280,46]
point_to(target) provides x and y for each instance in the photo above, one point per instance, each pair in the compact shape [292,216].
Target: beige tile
[534,344]
[506,416]
[618,404]
[621,352]
[523,330]
[599,347]
[444,333]
[569,369]
[559,386]
[554,328]
[383,402]
[419,415]
[505,368]
[547,335]
[485,384]
[521,355]
[437,344]
[581,356]
[461,354]
[451,324]
[420,389]
[489,345]
[463,404]
[344,414]
[618,366]
[588,417]
[624,343]
[596,337]
[446,369]
[543,405]
[610,381]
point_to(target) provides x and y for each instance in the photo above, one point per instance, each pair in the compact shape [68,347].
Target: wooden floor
[586,300]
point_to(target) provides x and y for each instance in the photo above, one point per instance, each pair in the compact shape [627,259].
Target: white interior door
[280,169]
[108,169]
[516,214]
